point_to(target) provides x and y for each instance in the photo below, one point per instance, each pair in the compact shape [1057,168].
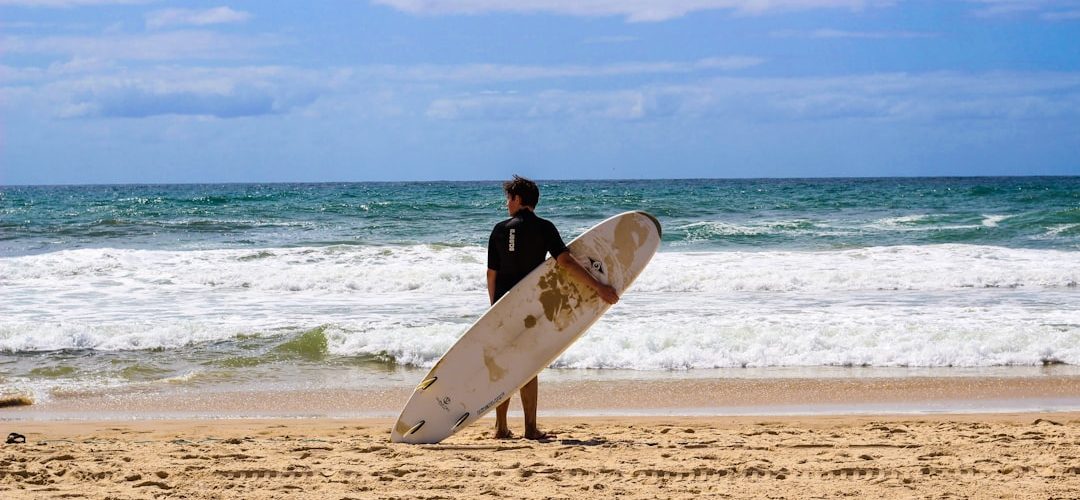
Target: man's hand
[607,294]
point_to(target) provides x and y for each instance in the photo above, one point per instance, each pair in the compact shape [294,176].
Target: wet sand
[650,397]
[1023,455]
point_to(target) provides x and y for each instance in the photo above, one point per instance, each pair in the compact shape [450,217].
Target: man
[517,245]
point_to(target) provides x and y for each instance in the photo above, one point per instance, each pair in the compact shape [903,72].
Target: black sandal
[15,438]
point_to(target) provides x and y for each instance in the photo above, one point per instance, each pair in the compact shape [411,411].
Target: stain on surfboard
[629,234]
[559,298]
[495,372]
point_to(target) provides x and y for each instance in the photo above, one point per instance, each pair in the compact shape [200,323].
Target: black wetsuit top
[519,244]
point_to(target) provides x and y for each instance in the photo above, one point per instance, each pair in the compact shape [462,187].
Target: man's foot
[503,434]
[537,435]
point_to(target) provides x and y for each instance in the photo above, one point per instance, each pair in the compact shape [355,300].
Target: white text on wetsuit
[512,239]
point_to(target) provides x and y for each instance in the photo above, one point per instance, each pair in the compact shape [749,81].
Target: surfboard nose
[659,230]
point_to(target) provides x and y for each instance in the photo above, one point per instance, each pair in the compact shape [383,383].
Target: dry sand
[1026,455]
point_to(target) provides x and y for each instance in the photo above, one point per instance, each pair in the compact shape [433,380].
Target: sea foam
[930,305]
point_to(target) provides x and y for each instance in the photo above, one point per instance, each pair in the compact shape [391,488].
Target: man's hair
[526,189]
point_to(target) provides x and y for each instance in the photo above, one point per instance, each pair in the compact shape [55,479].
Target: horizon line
[447,181]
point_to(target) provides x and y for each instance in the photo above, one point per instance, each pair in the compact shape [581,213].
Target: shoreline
[593,398]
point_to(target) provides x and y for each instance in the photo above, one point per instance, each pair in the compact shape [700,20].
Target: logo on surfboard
[596,265]
[490,404]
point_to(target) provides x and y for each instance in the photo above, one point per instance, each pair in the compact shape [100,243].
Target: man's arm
[606,292]
[491,284]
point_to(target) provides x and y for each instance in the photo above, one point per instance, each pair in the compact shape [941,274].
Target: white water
[939,305]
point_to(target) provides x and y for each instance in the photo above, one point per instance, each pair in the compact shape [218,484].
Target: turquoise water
[697,214]
[119,288]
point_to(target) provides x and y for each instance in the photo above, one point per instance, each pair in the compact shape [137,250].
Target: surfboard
[526,330]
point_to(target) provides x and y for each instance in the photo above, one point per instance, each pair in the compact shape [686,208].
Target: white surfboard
[526,330]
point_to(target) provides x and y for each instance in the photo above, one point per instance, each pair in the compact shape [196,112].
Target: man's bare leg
[502,431]
[529,397]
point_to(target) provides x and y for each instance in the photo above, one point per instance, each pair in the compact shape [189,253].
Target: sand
[590,397]
[1025,455]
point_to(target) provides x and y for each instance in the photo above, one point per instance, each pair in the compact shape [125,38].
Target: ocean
[340,285]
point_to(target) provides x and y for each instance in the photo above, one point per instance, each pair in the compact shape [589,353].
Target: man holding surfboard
[517,246]
[540,307]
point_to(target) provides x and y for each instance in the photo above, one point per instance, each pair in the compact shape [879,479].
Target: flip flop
[15,438]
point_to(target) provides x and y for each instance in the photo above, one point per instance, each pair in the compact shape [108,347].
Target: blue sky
[131,91]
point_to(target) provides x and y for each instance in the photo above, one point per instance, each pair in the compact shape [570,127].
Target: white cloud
[632,10]
[624,105]
[663,10]
[85,86]
[153,47]
[90,86]
[80,65]
[833,33]
[191,17]
[69,3]
[890,97]
[18,75]
[610,40]
[1004,7]
[728,63]
[32,76]
[1068,15]
[210,92]
[1047,9]
[490,73]
[15,25]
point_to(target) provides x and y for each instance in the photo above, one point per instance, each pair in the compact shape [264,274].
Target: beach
[869,338]
[750,249]
[823,437]
[940,456]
